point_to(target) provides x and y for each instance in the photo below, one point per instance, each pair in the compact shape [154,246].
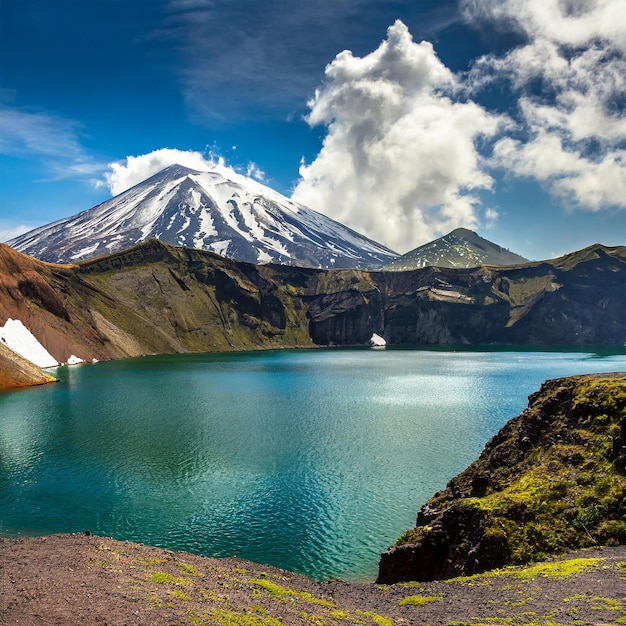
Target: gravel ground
[84,579]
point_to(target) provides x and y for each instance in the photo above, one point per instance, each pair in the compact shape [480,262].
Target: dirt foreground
[84,579]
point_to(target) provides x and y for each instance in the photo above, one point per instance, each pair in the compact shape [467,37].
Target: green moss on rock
[552,480]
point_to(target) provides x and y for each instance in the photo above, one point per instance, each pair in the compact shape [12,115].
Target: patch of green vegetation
[409,585]
[282,593]
[166,578]
[340,614]
[521,602]
[211,595]
[419,600]
[181,595]
[407,536]
[598,603]
[190,570]
[521,290]
[559,569]
[150,562]
[225,617]
[379,620]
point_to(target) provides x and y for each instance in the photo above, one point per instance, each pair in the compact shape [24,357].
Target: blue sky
[402,119]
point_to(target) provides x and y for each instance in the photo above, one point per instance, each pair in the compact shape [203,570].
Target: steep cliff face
[18,372]
[152,298]
[576,299]
[157,298]
[552,480]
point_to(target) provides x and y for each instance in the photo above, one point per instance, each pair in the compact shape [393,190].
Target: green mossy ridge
[555,569]
[551,481]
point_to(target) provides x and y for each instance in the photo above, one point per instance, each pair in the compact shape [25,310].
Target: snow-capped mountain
[460,248]
[235,217]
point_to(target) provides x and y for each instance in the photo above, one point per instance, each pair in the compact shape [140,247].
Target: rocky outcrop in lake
[551,481]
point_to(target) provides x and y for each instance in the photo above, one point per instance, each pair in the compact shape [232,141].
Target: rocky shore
[551,481]
[78,579]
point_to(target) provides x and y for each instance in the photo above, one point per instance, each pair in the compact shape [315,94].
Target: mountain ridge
[459,248]
[236,217]
[158,298]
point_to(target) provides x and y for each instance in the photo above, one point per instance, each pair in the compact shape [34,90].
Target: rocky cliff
[552,480]
[157,298]
[18,372]
[579,298]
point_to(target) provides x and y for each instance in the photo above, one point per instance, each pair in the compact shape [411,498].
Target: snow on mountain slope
[19,339]
[236,217]
[460,248]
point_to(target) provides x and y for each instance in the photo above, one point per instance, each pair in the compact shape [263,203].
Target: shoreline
[87,579]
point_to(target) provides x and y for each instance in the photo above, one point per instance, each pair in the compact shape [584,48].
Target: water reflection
[312,461]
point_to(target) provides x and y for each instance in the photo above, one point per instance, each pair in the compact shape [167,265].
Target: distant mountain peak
[463,233]
[460,248]
[236,217]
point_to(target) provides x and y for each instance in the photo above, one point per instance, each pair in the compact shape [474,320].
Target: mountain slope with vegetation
[157,298]
[551,481]
[459,248]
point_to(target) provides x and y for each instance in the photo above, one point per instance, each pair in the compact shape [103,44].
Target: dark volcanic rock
[157,298]
[552,480]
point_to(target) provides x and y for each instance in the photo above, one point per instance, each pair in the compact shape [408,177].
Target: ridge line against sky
[402,120]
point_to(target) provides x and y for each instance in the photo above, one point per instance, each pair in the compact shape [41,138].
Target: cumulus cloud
[122,175]
[400,161]
[571,133]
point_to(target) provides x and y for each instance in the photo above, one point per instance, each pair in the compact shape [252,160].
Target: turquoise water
[314,461]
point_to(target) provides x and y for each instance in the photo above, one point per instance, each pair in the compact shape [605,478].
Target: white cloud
[122,175]
[38,133]
[9,231]
[569,22]
[571,133]
[399,162]
[491,217]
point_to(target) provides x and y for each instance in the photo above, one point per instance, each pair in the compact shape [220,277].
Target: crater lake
[314,461]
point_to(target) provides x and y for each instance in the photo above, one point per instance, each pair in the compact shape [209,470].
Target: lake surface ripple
[313,461]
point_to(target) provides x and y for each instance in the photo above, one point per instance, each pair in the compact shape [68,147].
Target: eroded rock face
[552,480]
[157,298]
[17,372]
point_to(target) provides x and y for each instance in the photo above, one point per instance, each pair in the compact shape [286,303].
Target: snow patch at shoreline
[19,339]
